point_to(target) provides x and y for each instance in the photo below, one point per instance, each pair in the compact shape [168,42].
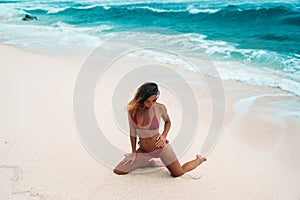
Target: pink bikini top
[153,125]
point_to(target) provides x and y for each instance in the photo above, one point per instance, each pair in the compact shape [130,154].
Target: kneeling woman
[143,116]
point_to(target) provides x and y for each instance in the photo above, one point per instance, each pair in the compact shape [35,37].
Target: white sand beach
[42,157]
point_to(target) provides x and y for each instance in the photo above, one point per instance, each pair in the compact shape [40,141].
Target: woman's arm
[133,144]
[167,120]
[162,139]
[132,134]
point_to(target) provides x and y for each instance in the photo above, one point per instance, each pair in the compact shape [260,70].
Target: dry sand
[41,156]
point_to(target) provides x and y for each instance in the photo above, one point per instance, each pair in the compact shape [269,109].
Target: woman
[143,116]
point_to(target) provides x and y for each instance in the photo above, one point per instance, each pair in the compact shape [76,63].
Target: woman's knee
[119,172]
[175,169]
[177,174]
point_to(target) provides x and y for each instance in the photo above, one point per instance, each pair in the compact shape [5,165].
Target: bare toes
[200,158]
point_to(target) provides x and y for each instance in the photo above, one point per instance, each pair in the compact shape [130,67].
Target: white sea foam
[47,37]
[11,12]
[48,8]
[94,29]
[107,7]
[53,10]
[191,9]
[86,7]
[158,10]
[257,76]
[228,70]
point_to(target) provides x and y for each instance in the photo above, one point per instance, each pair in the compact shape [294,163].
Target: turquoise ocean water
[263,37]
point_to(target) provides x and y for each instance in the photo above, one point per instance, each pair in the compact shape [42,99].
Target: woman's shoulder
[159,104]
[131,113]
[161,107]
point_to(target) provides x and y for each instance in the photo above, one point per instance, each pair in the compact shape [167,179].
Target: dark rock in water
[29,18]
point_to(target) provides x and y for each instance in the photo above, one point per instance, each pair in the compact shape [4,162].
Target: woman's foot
[200,159]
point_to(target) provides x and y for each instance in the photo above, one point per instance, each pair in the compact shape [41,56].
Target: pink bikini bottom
[166,154]
[156,153]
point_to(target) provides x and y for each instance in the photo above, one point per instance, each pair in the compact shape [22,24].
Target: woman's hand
[129,157]
[160,141]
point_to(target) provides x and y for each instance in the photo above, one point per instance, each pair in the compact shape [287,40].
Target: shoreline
[41,155]
[83,54]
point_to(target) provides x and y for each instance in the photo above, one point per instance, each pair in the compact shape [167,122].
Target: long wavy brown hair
[142,94]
